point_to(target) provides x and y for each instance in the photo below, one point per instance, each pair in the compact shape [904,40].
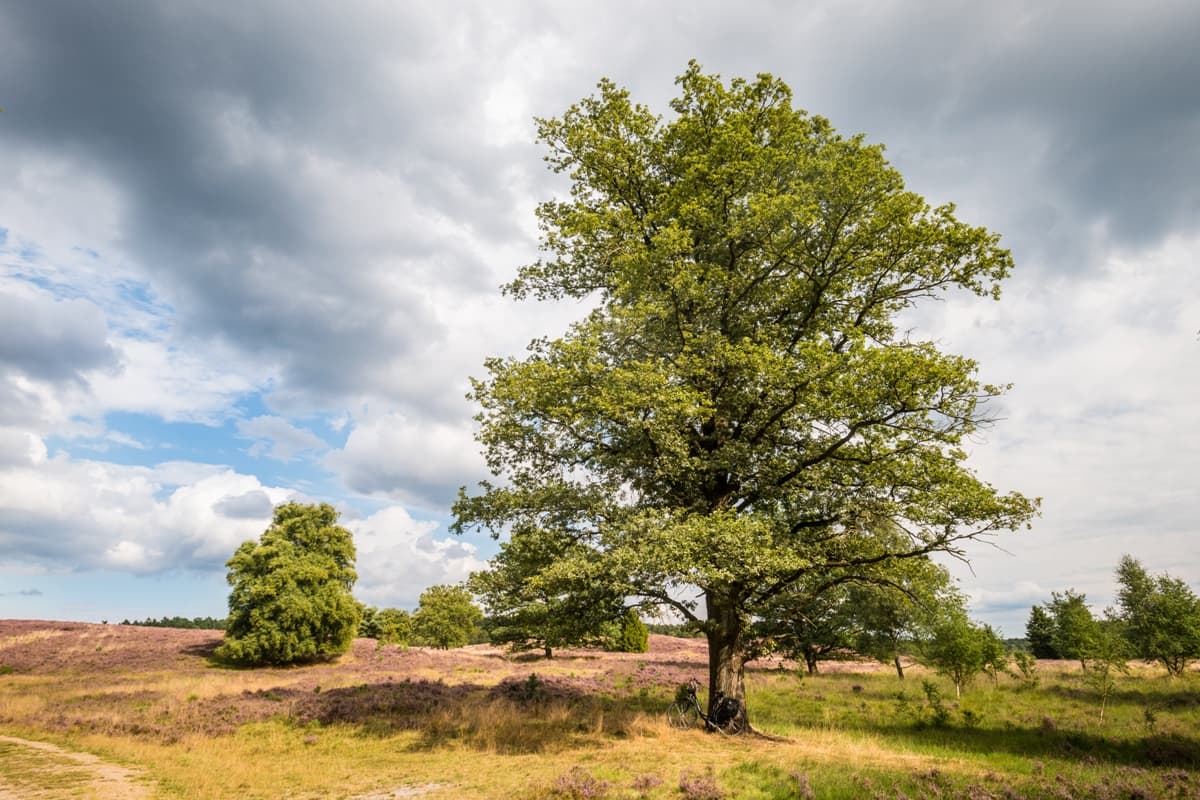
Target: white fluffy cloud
[19,448]
[95,515]
[178,515]
[419,462]
[266,230]
[399,557]
[1100,422]
[197,383]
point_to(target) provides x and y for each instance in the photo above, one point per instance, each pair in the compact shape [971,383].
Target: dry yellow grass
[13,641]
[386,723]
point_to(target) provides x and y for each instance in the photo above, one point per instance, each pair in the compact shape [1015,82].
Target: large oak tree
[740,409]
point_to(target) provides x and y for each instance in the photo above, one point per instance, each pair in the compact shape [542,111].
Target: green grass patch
[479,724]
[30,771]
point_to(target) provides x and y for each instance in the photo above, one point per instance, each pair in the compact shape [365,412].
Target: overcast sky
[250,254]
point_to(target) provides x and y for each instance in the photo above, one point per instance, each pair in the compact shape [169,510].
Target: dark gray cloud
[251,505]
[1048,122]
[18,405]
[30,537]
[1114,94]
[241,139]
[292,182]
[52,340]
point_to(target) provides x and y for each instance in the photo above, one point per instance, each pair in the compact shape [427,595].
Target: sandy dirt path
[108,781]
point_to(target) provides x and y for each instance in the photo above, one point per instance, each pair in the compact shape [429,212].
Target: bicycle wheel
[735,724]
[682,715]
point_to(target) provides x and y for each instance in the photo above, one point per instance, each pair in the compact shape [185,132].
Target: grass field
[130,712]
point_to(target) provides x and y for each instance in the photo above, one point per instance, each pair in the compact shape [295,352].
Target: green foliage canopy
[739,406]
[545,591]
[1160,616]
[1075,628]
[960,649]
[1039,631]
[387,625]
[291,600]
[445,617]
[631,634]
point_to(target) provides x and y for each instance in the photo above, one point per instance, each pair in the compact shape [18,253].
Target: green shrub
[632,636]
[446,617]
[291,599]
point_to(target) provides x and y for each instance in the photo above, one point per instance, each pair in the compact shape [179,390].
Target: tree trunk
[810,661]
[548,651]
[726,633]
[895,655]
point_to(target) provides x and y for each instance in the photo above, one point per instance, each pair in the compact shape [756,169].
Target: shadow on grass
[1156,695]
[770,782]
[1155,750]
[205,650]
[208,652]
[518,715]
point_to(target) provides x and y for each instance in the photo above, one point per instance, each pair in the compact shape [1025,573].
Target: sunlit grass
[28,770]
[474,724]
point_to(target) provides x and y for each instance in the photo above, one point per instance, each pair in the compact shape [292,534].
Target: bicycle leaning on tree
[728,715]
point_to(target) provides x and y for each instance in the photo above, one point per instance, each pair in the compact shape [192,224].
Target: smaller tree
[395,626]
[1106,658]
[882,612]
[1039,631]
[368,624]
[1026,669]
[1161,616]
[531,603]
[961,649]
[446,617]
[1075,629]
[996,657]
[631,634]
[386,626]
[808,623]
[291,599]
[894,618]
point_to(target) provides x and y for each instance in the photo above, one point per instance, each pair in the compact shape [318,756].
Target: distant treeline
[203,623]
[679,631]
[693,632]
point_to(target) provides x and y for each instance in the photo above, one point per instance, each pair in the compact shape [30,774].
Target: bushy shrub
[395,626]
[632,635]
[1026,669]
[446,617]
[291,599]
